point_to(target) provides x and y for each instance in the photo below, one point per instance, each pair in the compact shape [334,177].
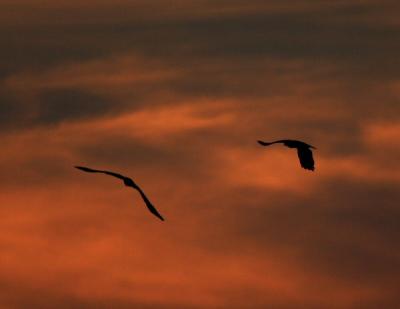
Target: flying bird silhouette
[129,183]
[303,151]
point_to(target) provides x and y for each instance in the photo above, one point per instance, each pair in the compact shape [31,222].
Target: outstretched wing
[263,143]
[149,205]
[306,158]
[268,143]
[128,182]
[90,170]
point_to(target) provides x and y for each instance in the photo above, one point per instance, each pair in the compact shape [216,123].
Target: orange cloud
[175,95]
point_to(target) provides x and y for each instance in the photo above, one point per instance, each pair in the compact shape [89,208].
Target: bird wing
[268,143]
[90,170]
[306,158]
[149,205]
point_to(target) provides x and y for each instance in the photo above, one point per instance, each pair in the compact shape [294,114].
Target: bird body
[303,151]
[127,182]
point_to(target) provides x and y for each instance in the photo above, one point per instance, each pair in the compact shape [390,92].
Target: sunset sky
[175,94]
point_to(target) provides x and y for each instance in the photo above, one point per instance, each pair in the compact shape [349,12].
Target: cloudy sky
[175,93]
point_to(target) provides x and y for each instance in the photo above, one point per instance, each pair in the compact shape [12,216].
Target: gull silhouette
[303,151]
[129,183]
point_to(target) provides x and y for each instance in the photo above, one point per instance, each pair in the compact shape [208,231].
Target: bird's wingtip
[82,168]
[160,217]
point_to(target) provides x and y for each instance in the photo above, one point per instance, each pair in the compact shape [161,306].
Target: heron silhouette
[129,183]
[303,151]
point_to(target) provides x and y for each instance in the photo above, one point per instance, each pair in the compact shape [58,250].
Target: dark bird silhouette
[303,151]
[129,183]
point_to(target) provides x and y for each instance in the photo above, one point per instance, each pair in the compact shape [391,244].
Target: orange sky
[175,95]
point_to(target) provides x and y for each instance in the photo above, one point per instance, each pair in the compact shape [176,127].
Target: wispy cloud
[176,96]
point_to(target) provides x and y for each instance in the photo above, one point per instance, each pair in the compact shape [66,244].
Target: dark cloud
[217,55]
[345,230]
[20,295]
[52,107]
[176,97]
[57,105]
[317,33]
[10,111]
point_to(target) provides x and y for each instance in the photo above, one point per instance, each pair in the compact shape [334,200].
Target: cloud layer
[175,95]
